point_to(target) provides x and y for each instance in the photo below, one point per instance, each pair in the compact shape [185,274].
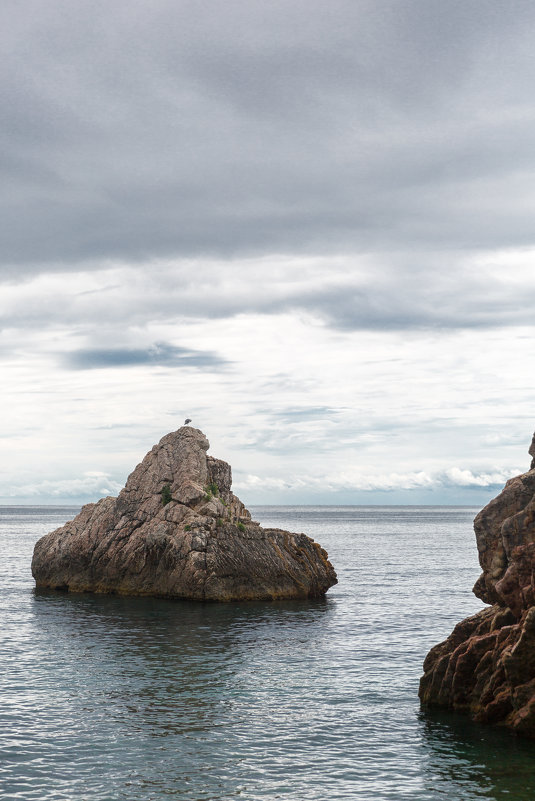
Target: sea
[105,698]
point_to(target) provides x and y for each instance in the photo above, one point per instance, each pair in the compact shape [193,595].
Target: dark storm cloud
[132,131]
[161,354]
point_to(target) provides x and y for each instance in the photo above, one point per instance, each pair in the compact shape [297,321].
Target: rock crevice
[486,667]
[194,539]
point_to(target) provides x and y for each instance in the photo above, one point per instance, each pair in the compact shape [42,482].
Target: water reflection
[171,667]
[478,761]
[164,620]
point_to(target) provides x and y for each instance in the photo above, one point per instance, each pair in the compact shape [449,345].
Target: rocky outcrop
[486,667]
[176,530]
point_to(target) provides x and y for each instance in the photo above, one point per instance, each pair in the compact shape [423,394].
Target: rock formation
[176,530]
[486,667]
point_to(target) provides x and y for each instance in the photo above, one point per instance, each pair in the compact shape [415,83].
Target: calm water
[115,698]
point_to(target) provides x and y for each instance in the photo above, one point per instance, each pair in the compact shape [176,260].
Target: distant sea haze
[106,697]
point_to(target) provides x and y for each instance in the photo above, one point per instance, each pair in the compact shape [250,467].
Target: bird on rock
[186,421]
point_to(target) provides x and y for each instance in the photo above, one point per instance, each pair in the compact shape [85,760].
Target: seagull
[186,421]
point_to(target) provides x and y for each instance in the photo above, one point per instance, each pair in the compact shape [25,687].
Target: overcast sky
[309,226]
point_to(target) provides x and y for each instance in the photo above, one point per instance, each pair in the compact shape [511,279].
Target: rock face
[176,530]
[486,667]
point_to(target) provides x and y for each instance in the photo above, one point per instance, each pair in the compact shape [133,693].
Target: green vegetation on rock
[166,494]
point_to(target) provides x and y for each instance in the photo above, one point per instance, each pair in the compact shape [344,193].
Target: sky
[308,226]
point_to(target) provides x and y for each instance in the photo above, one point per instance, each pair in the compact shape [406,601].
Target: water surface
[124,698]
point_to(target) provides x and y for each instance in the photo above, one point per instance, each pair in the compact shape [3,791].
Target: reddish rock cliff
[176,530]
[486,667]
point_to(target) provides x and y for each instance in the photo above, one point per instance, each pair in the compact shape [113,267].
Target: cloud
[317,218]
[459,477]
[385,482]
[161,354]
[248,128]
[346,293]
[91,485]
[305,414]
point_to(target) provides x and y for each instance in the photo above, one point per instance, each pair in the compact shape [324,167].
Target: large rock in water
[486,667]
[201,544]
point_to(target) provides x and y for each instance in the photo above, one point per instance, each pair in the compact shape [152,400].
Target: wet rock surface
[177,530]
[486,667]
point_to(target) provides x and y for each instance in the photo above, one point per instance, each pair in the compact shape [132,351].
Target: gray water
[105,698]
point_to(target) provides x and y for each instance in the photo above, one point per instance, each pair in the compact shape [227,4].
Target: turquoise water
[107,698]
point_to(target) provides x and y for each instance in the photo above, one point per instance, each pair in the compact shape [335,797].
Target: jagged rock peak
[486,667]
[177,530]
